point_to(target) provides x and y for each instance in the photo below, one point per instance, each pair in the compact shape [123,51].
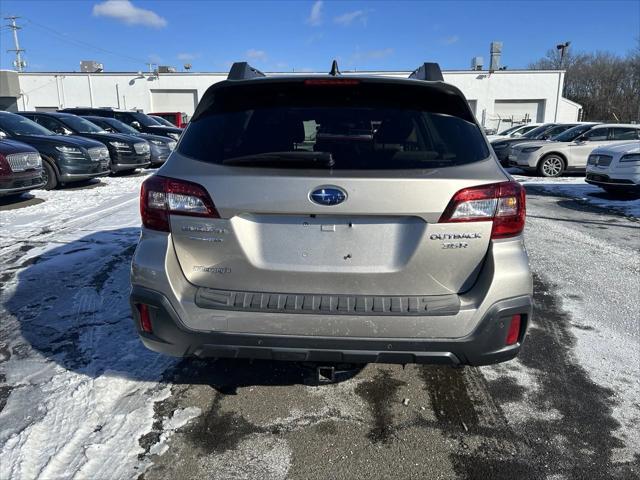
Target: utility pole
[19,63]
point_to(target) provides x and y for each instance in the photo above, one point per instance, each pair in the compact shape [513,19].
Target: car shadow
[14,202]
[70,304]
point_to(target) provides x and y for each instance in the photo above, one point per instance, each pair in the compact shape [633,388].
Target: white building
[497,98]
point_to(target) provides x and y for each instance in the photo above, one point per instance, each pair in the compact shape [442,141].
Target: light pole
[563,47]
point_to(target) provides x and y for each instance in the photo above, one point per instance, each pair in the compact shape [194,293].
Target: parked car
[138,120]
[570,150]
[401,244]
[514,132]
[502,147]
[20,168]
[615,168]
[127,153]
[65,159]
[178,119]
[160,146]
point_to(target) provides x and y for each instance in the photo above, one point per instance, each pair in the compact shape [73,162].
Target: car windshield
[348,127]
[144,119]
[509,130]
[162,121]
[557,130]
[81,125]
[19,125]
[121,127]
[537,132]
[572,133]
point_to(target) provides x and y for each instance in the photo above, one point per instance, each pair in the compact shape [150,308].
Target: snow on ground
[576,187]
[82,386]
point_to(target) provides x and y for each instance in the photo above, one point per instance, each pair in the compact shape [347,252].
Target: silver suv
[333,219]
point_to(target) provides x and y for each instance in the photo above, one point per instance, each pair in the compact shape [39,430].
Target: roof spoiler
[243,71]
[429,72]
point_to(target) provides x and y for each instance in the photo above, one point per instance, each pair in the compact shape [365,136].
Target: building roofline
[344,72]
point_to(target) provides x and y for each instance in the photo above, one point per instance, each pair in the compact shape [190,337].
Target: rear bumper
[485,345]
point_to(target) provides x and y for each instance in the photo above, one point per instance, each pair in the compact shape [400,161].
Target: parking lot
[81,397]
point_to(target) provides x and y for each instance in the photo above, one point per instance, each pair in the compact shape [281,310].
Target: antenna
[334,69]
[19,62]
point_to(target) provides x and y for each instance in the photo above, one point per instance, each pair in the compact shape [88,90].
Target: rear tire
[551,166]
[49,175]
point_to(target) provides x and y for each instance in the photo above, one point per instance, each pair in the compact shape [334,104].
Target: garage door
[520,111]
[174,101]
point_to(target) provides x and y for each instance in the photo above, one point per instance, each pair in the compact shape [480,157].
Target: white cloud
[126,12]
[348,18]
[254,54]
[315,17]
[187,57]
[450,40]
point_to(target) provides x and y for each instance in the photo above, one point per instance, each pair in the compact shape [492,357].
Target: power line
[81,43]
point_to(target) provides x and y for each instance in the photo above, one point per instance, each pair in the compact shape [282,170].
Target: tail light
[514,330]
[162,196]
[503,203]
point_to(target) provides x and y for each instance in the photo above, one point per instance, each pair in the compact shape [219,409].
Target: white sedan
[615,168]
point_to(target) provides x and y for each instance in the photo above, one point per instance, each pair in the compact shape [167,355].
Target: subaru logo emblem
[328,196]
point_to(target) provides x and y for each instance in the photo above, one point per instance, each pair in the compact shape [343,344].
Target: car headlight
[175,136]
[159,143]
[530,149]
[64,149]
[119,144]
[171,145]
[631,158]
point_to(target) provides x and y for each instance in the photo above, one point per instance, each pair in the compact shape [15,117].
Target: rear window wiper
[285,159]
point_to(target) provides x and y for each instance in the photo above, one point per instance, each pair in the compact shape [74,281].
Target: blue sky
[301,35]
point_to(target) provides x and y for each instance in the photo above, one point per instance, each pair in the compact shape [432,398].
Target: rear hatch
[330,188]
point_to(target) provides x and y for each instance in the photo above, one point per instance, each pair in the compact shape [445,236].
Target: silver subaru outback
[333,219]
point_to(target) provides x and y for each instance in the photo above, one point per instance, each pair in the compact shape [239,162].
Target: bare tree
[606,85]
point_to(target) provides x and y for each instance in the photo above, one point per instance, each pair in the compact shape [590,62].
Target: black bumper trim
[305,303]
[485,345]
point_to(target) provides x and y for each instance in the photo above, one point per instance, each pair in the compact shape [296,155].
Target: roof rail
[243,71]
[428,71]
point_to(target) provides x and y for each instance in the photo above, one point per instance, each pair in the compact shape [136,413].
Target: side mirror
[135,124]
[517,134]
[582,139]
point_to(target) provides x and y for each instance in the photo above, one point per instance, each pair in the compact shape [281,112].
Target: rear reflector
[514,330]
[161,196]
[503,203]
[145,319]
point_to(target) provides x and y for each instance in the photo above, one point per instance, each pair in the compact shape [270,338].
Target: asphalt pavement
[80,397]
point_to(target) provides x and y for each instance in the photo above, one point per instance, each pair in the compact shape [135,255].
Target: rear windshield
[361,126]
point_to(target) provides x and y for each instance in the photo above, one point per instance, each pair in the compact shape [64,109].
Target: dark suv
[161,147]
[126,153]
[65,159]
[138,120]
